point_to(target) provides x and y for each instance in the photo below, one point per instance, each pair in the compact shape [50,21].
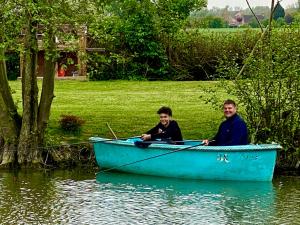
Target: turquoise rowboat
[189,161]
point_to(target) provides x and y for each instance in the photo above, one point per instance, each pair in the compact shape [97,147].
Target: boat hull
[245,162]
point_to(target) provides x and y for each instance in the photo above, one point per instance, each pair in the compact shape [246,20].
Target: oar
[152,157]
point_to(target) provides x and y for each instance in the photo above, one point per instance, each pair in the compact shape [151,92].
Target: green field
[227,29]
[130,107]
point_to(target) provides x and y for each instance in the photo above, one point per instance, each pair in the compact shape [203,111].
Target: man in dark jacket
[166,130]
[232,131]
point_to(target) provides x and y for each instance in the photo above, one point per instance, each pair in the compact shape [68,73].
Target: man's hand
[146,137]
[206,142]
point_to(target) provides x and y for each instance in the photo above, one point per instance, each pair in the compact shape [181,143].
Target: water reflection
[195,201]
[35,197]
[23,201]
[287,202]
[76,197]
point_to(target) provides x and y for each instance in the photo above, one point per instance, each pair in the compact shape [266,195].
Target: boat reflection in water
[191,201]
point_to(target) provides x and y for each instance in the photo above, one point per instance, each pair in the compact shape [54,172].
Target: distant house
[239,19]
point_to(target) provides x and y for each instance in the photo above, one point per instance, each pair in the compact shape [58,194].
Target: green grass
[130,107]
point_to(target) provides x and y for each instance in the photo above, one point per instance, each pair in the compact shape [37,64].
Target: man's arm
[152,133]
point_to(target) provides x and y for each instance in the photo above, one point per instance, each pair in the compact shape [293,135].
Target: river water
[78,197]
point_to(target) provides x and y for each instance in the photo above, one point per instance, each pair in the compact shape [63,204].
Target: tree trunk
[47,92]
[9,136]
[9,118]
[21,137]
[28,153]
[5,90]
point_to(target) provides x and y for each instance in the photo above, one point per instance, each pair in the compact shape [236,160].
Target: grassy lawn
[130,107]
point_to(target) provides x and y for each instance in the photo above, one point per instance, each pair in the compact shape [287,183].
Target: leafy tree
[172,13]
[21,135]
[134,34]
[278,12]
[129,33]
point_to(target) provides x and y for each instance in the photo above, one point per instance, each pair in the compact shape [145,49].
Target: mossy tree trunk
[28,139]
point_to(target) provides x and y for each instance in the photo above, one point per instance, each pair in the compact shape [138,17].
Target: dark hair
[165,110]
[229,102]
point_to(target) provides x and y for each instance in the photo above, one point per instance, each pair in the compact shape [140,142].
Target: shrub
[190,54]
[196,54]
[268,89]
[213,22]
[71,123]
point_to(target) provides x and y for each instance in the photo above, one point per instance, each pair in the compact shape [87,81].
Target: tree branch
[267,30]
[261,28]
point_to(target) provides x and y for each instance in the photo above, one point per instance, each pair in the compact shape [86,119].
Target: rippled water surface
[76,197]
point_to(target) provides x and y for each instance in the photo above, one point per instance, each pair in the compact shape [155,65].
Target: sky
[243,4]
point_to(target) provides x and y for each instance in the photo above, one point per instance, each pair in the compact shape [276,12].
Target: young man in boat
[166,130]
[232,131]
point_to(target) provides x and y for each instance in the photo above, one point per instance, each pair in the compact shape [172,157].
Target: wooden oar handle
[113,133]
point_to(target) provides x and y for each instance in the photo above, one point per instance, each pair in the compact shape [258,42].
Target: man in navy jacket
[232,131]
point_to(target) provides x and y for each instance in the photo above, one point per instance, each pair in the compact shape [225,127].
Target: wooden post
[56,69]
[82,51]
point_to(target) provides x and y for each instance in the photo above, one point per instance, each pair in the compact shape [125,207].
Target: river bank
[130,109]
